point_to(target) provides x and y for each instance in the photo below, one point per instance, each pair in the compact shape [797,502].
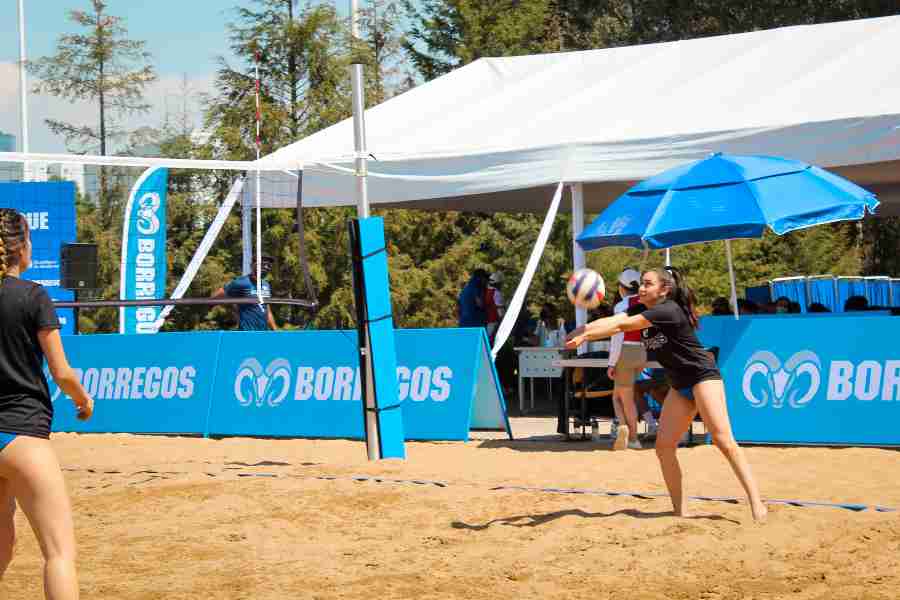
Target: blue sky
[183,36]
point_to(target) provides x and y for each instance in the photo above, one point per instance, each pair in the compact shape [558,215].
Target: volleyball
[586,288]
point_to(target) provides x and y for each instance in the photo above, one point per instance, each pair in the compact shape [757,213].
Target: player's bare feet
[759,511]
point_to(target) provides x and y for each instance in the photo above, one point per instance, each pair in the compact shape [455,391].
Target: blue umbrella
[724,197]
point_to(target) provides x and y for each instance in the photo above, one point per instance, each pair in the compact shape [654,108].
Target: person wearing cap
[626,360]
[251,317]
[493,304]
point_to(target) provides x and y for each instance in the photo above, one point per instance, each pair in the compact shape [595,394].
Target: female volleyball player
[29,470]
[666,319]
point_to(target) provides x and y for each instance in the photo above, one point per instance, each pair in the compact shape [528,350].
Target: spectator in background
[746,307]
[493,304]
[252,317]
[794,308]
[783,305]
[720,306]
[470,303]
[856,303]
[817,307]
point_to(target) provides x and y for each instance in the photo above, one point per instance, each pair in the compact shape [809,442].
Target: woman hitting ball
[29,471]
[666,319]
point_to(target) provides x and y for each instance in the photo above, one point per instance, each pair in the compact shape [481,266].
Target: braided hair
[13,234]
[679,291]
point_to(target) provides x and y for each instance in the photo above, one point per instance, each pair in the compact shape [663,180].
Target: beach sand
[169,517]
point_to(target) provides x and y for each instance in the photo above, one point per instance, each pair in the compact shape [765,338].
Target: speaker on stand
[78,270]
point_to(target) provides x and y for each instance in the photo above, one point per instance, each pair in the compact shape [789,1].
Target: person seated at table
[856,303]
[783,305]
[818,307]
[549,318]
[721,307]
[746,307]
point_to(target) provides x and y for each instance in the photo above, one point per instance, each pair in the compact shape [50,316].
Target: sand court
[169,517]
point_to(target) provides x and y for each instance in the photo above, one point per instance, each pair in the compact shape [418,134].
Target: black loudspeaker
[78,266]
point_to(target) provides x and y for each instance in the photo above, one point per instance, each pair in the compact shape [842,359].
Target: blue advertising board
[139,384]
[805,381]
[297,384]
[50,209]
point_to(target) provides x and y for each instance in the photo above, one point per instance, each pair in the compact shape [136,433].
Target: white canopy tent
[500,133]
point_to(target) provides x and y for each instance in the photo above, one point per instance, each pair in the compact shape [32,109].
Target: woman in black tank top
[29,470]
[667,320]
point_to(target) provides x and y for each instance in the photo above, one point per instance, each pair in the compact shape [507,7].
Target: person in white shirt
[626,360]
[494,304]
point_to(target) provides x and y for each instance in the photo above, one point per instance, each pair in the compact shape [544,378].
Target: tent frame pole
[578,258]
[362,210]
[734,303]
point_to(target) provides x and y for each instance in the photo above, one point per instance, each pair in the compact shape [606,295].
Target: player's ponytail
[13,229]
[680,292]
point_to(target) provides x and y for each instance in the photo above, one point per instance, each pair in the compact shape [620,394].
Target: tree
[302,67]
[383,43]
[100,65]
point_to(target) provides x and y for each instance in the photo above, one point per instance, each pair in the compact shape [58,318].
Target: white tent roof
[498,133]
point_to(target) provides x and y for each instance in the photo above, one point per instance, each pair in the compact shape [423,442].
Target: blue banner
[140,385]
[50,210]
[143,268]
[297,384]
[802,380]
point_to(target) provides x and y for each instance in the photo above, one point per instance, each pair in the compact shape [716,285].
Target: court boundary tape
[641,495]
[855,507]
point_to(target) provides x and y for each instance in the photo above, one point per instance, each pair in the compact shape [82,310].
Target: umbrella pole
[731,278]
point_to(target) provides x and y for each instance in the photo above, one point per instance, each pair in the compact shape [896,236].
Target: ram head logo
[148,222]
[253,385]
[767,380]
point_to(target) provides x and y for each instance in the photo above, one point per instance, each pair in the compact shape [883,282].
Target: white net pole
[258,199]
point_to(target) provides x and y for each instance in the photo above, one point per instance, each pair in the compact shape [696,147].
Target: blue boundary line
[641,495]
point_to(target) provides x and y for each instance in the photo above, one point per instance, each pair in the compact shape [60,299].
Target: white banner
[512,313]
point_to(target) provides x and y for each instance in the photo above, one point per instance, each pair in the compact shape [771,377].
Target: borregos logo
[132,383]
[767,380]
[254,385]
[798,381]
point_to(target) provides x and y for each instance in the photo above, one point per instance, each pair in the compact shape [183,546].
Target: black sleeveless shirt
[25,404]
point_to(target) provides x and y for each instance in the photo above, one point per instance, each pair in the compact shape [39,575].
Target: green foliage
[99,65]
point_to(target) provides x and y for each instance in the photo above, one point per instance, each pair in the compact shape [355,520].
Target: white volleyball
[586,288]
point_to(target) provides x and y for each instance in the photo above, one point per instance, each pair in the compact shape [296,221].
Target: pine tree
[99,65]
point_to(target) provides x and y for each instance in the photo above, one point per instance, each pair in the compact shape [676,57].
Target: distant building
[9,171]
[7,142]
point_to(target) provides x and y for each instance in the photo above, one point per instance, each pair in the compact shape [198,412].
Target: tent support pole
[668,257]
[373,444]
[578,261]
[731,279]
